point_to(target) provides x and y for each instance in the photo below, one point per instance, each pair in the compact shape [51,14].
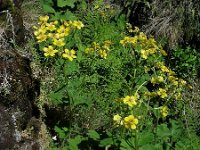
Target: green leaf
[63,3]
[60,132]
[145,138]
[148,147]
[105,142]
[73,143]
[93,135]
[70,16]
[163,131]
[127,144]
[48,9]
[71,67]
[56,97]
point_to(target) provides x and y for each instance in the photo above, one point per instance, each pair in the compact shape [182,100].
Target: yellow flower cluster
[101,50]
[164,111]
[53,34]
[130,100]
[129,122]
[157,80]
[148,46]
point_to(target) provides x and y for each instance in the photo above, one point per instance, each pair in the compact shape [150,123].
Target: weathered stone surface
[11,14]
[17,93]
[7,139]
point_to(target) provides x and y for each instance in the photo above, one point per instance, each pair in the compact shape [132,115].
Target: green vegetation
[116,87]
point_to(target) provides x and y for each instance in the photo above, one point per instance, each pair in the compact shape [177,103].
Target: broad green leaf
[56,97]
[145,138]
[71,67]
[73,143]
[63,3]
[48,9]
[163,131]
[60,132]
[70,16]
[105,142]
[93,135]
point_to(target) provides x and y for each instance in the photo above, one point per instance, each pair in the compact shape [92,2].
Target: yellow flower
[153,81]
[50,35]
[173,80]
[144,54]
[142,37]
[44,18]
[178,96]
[130,122]
[136,29]
[69,54]
[163,52]
[164,68]
[182,82]
[59,42]
[160,79]
[95,45]
[162,93]
[50,26]
[41,37]
[61,29]
[130,100]
[164,111]
[78,24]
[152,50]
[103,54]
[146,69]
[117,119]
[42,29]
[89,50]
[49,51]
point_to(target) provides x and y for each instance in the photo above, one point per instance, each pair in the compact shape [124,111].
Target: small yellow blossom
[146,69]
[136,29]
[178,96]
[44,18]
[41,37]
[163,52]
[95,45]
[61,29]
[50,26]
[164,68]
[69,54]
[78,24]
[164,111]
[103,54]
[144,54]
[89,50]
[153,81]
[130,100]
[182,82]
[162,93]
[117,119]
[49,51]
[156,80]
[130,122]
[59,42]
[150,94]
[142,37]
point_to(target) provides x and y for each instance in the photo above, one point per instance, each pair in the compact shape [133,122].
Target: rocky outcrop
[11,16]
[17,94]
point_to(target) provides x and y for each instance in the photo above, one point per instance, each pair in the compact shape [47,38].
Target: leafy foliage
[111,80]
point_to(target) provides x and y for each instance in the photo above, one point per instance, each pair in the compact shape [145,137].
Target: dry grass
[176,21]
